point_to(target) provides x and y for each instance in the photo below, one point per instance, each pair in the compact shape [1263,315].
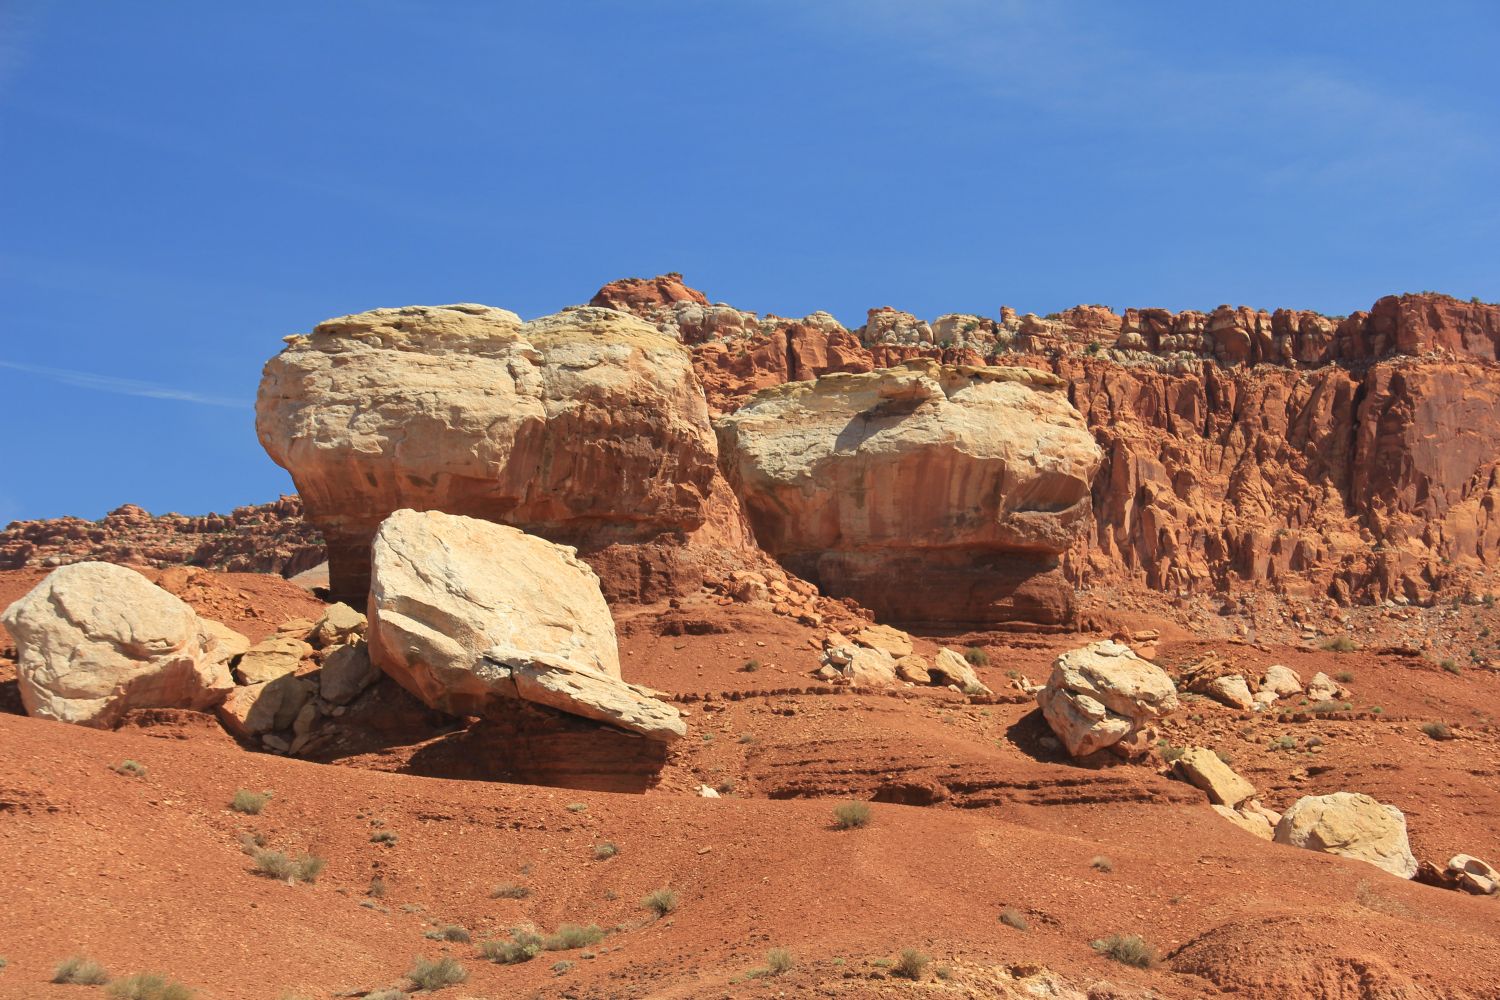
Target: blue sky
[182,184]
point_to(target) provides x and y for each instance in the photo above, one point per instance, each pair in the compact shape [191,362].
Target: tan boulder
[458,634]
[1323,688]
[1252,823]
[339,624]
[914,669]
[868,667]
[270,659]
[972,480]
[1351,825]
[347,671]
[1473,875]
[95,640]
[255,709]
[297,628]
[884,637]
[587,427]
[1229,689]
[951,668]
[1281,681]
[1204,769]
[227,643]
[1099,694]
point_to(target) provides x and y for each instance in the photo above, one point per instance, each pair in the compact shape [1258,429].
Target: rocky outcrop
[1203,768]
[972,480]
[267,538]
[95,641]
[587,427]
[469,640]
[1103,694]
[1351,825]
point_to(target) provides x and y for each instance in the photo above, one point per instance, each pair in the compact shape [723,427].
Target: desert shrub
[1012,917]
[558,968]
[725,787]
[1324,707]
[779,960]
[577,807]
[943,972]
[910,964]
[661,902]
[751,666]
[523,946]
[435,973]
[1451,666]
[148,986]
[309,867]
[747,738]
[509,890]
[1284,743]
[1168,752]
[1376,710]
[977,657]
[605,851]
[1344,677]
[386,837]
[571,936]
[1127,949]
[275,864]
[377,888]
[449,932]
[1102,863]
[79,970]
[1343,644]
[1438,730]
[130,768]
[851,816]
[248,802]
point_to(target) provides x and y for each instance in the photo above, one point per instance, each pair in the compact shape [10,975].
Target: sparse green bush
[303,868]
[386,837]
[1342,644]
[577,807]
[148,986]
[605,851]
[977,657]
[248,802]
[571,936]
[1451,666]
[1102,863]
[1324,707]
[449,932]
[1012,917]
[509,890]
[661,902]
[1344,677]
[435,973]
[309,867]
[558,968]
[1168,752]
[851,816]
[130,768]
[1284,743]
[79,970]
[523,946]
[910,964]
[751,666]
[779,960]
[1127,949]
[1438,730]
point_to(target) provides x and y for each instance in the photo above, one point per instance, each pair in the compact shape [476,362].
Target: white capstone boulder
[1351,825]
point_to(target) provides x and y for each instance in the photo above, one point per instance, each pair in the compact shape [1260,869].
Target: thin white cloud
[124,386]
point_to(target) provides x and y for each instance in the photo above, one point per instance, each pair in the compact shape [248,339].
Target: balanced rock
[1103,693]
[95,641]
[1351,825]
[1204,769]
[587,427]
[973,480]
[470,616]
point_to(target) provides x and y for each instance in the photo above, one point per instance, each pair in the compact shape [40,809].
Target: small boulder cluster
[882,656]
[1216,678]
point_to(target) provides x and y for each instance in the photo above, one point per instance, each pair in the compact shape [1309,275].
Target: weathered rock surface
[1281,681]
[972,480]
[1351,825]
[1103,693]
[1204,769]
[257,709]
[270,659]
[95,641]
[949,667]
[587,427]
[468,640]
[347,671]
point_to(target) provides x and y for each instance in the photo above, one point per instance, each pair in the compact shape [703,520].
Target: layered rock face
[473,617]
[96,641]
[1347,457]
[587,427]
[928,493]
